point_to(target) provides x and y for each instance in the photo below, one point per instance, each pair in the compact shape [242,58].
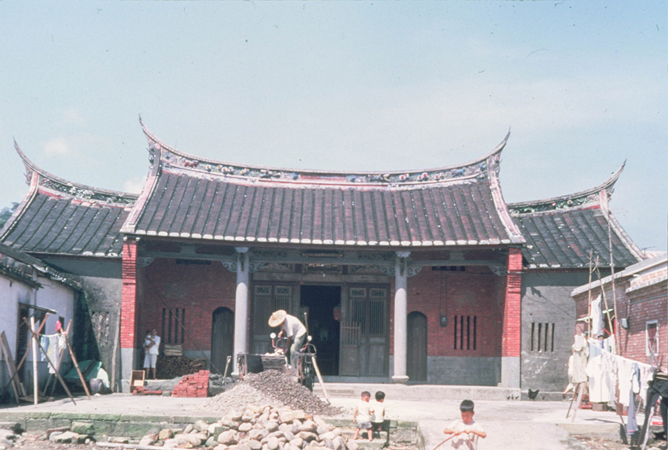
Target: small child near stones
[362,416]
[378,421]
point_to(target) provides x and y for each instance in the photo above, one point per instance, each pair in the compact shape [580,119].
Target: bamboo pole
[23,359]
[322,384]
[9,370]
[35,378]
[605,299]
[76,365]
[589,296]
[614,296]
[49,360]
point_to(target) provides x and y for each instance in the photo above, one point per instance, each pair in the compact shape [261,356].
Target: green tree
[6,213]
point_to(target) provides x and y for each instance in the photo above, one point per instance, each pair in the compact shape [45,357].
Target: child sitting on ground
[465,432]
[362,416]
[378,421]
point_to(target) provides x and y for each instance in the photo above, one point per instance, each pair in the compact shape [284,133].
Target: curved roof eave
[161,153]
[583,199]
[70,189]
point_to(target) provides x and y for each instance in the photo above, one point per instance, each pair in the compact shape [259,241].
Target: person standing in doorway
[151,348]
[292,329]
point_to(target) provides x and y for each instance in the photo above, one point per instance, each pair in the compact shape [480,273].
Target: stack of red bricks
[193,385]
[143,391]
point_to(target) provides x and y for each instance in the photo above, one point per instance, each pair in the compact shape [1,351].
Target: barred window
[173,325]
[466,333]
[542,337]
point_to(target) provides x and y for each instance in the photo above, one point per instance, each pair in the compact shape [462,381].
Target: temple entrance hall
[323,304]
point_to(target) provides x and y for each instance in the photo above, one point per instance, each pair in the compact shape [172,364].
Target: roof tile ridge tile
[137,211]
[22,207]
[494,167]
[624,238]
[164,155]
[582,199]
[70,189]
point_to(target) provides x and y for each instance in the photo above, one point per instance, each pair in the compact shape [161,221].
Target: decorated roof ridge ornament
[583,199]
[165,156]
[70,189]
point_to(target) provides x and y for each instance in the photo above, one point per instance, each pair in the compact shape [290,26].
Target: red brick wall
[639,306]
[646,305]
[443,293]
[511,340]
[199,289]
[129,295]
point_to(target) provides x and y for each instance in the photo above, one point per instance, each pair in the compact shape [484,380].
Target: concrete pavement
[510,424]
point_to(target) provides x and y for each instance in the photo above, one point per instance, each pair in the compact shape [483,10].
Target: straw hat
[277,318]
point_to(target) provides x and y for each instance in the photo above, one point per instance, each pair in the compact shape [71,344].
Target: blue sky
[346,86]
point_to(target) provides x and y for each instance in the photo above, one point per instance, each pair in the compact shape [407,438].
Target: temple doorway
[323,304]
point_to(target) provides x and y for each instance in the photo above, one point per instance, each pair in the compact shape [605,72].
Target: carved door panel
[349,351]
[368,310]
[267,298]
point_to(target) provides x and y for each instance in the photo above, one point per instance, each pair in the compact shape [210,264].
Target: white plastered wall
[52,295]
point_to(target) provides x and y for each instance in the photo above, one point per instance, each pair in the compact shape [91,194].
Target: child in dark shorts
[378,421]
[362,416]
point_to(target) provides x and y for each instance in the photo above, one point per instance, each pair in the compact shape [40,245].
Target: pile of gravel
[270,387]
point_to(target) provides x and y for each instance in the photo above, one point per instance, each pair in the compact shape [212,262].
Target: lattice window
[376,317]
[542,337]
[173,325]
[358,314]
[466,333]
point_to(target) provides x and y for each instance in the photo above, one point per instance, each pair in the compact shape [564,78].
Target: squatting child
[362,416]
[465,431]
[378,421]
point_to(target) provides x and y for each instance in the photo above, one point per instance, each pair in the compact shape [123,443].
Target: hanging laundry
[632,423]
[625,372]
[596,318]
[44,340]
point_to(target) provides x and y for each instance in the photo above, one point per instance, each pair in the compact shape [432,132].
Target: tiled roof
[60,217]
[190,197]
[561,232]
[22,266]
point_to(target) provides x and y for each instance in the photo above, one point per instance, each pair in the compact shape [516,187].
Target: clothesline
[607,371]
[54,344]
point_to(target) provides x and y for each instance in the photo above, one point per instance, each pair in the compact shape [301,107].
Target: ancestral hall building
[419,276]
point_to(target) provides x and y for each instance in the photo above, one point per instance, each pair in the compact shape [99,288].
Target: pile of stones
[7,438]
[79,433]
[271,387]
[256,428]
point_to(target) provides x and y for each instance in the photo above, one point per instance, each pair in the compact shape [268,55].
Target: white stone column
[241,306]
[400,317]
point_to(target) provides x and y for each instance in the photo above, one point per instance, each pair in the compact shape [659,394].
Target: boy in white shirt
[465,431]
[378,421]
[362,416]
